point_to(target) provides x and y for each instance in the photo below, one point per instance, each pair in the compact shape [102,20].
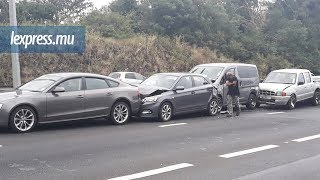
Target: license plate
[265,97]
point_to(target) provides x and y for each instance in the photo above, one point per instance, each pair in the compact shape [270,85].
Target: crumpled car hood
[146,91]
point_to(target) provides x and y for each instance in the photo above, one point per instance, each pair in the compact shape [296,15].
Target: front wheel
[213,107]
[252,102]
[120,113]
[165,113]
[23,119]
[316,98]
[292,102]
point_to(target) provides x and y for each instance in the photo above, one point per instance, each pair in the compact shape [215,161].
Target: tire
[292,102]
[220,104]
[165,112]
[316,98]
[252,102]
[23,119]
[213,108]
[120,113]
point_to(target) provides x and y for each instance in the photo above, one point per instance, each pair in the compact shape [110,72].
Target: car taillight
[284,94]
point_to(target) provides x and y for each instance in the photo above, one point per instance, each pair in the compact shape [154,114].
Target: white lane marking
[248,151]
[169,125]
[153,172]
[307,138]
[275,113]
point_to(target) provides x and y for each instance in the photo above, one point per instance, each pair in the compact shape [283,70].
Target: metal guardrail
[5,89]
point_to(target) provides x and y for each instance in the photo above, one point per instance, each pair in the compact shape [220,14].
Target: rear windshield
[212,72]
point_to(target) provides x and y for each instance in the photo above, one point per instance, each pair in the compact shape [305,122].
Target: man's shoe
[229,115]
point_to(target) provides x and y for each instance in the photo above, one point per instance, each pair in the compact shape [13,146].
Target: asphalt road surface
[267,143]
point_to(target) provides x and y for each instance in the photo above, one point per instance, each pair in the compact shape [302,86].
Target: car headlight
[1,106]
[150,99]
[281,93]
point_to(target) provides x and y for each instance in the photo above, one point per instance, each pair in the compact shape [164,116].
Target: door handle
[109,94]
[80,96]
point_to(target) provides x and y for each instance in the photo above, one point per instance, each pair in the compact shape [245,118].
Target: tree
[4,11]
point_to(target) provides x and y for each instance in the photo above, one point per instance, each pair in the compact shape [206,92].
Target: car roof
[74,74]
[182,74]
[292,70]
[226,64]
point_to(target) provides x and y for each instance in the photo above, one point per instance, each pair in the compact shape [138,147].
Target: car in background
[286,87]
[132,78]
[167,94]
[316,78]
[65,97]
[248,81]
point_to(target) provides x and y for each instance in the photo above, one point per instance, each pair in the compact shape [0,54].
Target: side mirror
[58,90]
[179,88]
[213,80]
[300,83]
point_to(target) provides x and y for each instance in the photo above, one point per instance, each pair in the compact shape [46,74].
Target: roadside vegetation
[149,36]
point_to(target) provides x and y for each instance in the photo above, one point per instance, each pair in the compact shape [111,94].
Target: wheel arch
[24,104]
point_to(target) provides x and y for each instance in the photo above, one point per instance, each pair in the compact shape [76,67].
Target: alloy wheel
[214,108]
[24,120]
[166,112]
[121,113]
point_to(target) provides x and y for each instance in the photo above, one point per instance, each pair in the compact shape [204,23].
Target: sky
[100,3]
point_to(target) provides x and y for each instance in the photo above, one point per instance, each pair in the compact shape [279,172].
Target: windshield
[281,78]
[37,85]
[160,80]
[212,72]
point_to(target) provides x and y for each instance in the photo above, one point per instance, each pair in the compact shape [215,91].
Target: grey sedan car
[167,94]
[68,96]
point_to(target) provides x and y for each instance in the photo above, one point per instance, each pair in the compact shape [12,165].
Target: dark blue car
[167,94]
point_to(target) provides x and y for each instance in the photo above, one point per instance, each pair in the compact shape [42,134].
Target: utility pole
[16,77]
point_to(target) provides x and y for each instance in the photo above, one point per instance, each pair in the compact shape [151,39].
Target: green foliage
[109,24]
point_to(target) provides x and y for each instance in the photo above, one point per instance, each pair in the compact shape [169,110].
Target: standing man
[233,94]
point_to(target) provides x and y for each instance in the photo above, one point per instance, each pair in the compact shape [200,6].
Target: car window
[308,77]
[115,75]
[301,78]
[95,83]
[71,85]
[199,81]
[113,83]
[139,76]
[185,81]
[130,76]
[247,72]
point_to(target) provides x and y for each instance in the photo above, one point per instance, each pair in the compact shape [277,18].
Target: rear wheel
[213,108]
[120,113]
[219,103]
[23,119]
[316,98]
[165,113]
[292,102]
[252,102]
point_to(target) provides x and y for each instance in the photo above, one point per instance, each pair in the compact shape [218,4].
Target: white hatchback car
[128,77]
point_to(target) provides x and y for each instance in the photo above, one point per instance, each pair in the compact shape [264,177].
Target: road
[267,143]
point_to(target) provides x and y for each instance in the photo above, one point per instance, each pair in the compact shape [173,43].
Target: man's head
[230,74]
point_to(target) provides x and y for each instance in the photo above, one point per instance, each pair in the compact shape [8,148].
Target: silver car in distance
[65,97]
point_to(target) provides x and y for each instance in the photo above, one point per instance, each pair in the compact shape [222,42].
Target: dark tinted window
[212,72]
[301,78]
[94,83]
[115,75]
[139,76]
[186,82]
[199,81]
[247,72]
[71,85]
[130,76]
[113,83]
[308,77]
